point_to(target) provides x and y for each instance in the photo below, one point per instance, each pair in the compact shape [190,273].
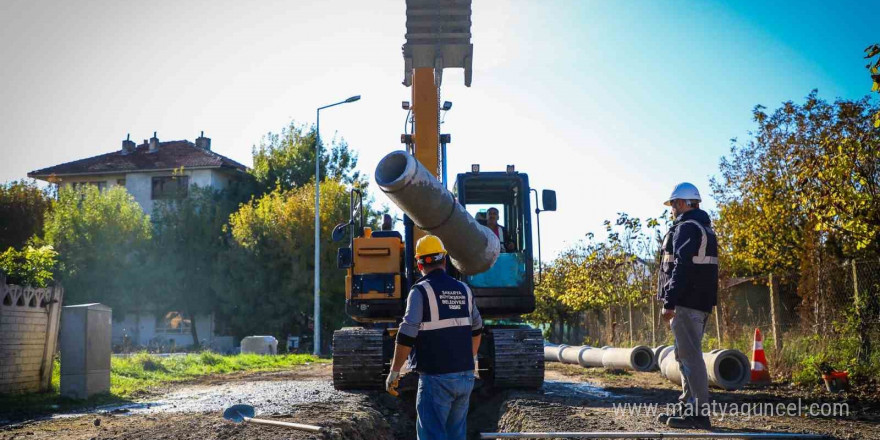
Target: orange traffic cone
[760,372]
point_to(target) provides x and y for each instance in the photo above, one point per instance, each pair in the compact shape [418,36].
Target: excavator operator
[500,231]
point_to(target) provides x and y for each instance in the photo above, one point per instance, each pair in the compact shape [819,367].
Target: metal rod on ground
[245,414]
[298,426]
[648,435]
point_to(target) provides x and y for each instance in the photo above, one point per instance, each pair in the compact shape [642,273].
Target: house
[154,171]
[150,171]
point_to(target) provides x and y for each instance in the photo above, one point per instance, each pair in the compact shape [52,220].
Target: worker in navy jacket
[688,288]
[440,335]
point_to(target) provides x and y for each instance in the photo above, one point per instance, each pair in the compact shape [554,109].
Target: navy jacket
[689,263]
[440,321]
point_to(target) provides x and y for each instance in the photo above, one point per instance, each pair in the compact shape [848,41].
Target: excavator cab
[507,288]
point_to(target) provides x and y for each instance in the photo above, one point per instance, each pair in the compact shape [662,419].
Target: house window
[120,182]
[170,187]
[101,185]
[173,323]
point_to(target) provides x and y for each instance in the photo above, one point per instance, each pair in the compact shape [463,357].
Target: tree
[287,160]
[806,180]
[271,285]
[100,237]
[31,266]
[595,275]
[23,208]
[873,67]
[185,253]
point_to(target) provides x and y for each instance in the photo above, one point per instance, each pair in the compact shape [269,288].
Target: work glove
[391,383]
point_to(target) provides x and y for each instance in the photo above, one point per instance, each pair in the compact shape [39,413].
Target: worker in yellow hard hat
[440,335]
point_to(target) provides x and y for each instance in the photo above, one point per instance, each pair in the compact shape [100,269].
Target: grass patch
[134,375]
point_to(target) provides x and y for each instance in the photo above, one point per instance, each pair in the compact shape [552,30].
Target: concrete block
[85,350]
[259,345]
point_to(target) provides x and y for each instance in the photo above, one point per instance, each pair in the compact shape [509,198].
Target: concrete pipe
[638,358]
[730,369]
[551,352]
[593,357]
[473,248]
[655,365]
[562,348]
[727,369]
[572,355]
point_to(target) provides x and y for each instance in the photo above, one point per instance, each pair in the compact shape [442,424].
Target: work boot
[663,417]
[689,422]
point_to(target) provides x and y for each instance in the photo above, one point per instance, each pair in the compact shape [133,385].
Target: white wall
[140,184]
[109,179]
[141,328]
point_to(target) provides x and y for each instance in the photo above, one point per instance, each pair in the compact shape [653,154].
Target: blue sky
[609,103]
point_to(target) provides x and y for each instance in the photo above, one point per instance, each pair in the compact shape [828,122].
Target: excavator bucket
[438,35]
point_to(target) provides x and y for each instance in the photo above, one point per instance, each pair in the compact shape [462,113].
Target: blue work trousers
[442,405]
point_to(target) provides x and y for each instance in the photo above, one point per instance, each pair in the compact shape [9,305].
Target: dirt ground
[572,399]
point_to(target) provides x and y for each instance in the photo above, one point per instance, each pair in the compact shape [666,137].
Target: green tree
[592,275]
[186,251]
[873,67]
[805,185]
[23,208]
[272,262]
[287,160]
[31,266]
[100,237]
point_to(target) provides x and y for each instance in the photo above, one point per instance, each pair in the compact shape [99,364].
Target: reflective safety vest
[443,344]
[695,284]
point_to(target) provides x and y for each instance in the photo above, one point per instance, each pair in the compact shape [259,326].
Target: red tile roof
[170,155]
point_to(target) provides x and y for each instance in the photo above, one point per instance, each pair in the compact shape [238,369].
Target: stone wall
[28,336]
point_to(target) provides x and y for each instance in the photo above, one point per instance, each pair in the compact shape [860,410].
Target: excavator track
[358,359]
[518,358]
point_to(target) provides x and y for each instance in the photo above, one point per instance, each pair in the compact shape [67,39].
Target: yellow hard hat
[429,245]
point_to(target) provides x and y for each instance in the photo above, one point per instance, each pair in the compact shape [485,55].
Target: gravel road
[572,399]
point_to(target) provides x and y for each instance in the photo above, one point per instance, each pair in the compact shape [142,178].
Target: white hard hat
[683,191]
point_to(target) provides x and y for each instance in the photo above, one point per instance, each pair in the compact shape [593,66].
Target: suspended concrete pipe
[727,369]
[473,248]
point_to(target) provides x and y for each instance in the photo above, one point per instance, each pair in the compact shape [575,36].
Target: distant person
[500,231]
[688,289]
[440,334]
[386,222]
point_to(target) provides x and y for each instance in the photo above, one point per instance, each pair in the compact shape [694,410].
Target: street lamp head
[353,98]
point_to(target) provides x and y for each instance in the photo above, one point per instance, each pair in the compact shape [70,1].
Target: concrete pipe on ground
[473,248]
[593,357]
[572,355]
[655,365]
[551,352]
[638,358]
[727,369]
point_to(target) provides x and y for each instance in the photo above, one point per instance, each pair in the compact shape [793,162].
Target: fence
[29,320]
[804,311]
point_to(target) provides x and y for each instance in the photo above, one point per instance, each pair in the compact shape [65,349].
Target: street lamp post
[317,322]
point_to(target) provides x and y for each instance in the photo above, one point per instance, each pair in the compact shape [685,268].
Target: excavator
[380,265]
